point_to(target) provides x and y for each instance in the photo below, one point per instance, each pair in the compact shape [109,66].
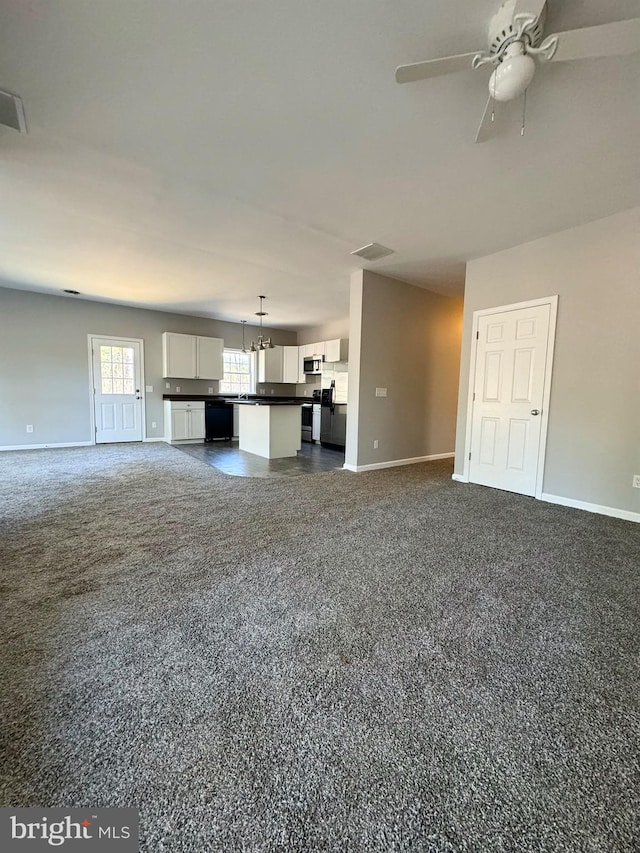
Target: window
[239,372]
[116,370]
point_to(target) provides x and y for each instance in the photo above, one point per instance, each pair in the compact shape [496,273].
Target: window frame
[252,371]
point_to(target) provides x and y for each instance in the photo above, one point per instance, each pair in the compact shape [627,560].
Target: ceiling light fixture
[513,75]
[263,343]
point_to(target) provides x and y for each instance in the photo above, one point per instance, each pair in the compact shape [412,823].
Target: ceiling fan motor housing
[502,30]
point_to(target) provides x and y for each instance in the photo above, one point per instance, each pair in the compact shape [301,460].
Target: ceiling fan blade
[613,39]
[435,67]
[487,125]
[529,7]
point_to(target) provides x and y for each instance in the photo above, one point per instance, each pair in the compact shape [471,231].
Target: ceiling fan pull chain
[524,112]
[493,101]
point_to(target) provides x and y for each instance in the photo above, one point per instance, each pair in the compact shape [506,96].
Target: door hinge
[474,395]
[478,334]
[469,457]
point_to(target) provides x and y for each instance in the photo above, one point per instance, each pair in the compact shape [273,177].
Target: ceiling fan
[516,36]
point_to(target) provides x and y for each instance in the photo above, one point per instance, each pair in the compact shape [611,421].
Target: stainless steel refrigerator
[333,419]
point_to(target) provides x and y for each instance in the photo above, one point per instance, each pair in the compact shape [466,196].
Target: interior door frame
[552,302]
[92,403]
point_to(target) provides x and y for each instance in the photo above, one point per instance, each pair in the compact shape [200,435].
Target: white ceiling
[191,154]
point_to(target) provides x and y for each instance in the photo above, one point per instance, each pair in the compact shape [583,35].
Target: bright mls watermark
[36,829]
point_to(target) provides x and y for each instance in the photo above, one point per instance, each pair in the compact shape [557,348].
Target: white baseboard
[46,446]
[150,440]
[459,478]
[394,463]
[612,511]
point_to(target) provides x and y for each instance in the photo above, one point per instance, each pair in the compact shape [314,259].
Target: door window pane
[116,370]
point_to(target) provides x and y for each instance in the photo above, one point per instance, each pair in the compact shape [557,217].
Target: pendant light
[263,343]
[244,348]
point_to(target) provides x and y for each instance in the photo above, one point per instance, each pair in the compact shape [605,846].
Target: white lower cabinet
[315,423]
[184,421]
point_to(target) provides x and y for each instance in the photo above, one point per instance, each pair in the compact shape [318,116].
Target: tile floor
[227,457]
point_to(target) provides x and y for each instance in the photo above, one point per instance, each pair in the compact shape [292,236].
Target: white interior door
[508,396]
[117,390]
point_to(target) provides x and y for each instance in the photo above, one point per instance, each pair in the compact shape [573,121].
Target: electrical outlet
[153,424]
[636,481]
[29,427]
[177,389]
[381,392]
[375,443]
[210,390]
[167,385]
[272,390]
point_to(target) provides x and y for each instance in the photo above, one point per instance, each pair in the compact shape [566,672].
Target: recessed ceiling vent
[373,252]
[12,112]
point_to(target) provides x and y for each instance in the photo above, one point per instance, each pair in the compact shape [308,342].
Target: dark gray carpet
[378,662]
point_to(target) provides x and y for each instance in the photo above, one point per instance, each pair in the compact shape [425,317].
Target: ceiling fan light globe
[511,77]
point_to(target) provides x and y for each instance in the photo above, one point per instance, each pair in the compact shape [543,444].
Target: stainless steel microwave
[313,365]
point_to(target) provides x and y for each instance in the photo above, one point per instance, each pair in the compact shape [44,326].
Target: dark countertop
[253,399]
[265,401]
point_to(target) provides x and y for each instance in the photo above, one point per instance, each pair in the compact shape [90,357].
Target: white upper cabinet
[304,351]
[336,350]
[279,364]
[270,365]
[191,356]
[290,364]
[178,355]
[209,353]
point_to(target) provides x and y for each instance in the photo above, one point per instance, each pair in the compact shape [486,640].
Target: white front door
[508,392]
[117,390]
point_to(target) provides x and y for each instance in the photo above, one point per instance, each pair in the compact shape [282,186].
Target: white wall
[593,445]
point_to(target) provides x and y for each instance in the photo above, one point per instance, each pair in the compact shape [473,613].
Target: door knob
[535,411]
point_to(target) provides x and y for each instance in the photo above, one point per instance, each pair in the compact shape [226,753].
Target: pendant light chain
[263,343]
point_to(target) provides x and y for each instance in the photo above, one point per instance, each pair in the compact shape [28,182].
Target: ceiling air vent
[12,112]
[373,252]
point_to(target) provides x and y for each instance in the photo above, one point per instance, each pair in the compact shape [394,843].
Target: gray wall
[406,339]
[44,363]
[326,332]
[593,443]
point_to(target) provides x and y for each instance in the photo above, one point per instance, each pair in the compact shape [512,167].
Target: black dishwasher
[218,420]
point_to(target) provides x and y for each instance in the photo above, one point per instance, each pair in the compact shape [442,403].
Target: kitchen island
[269,429]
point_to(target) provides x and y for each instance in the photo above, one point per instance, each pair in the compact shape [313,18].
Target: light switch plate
[148,389]
[381,392]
